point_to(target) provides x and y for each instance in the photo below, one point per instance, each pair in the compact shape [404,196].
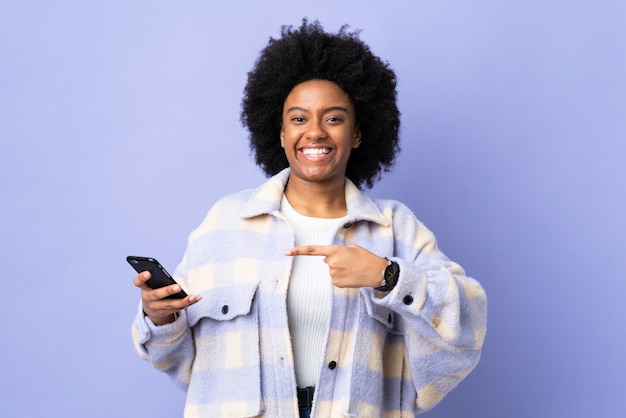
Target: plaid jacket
[392,355]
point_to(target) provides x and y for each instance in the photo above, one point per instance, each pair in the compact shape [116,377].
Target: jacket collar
[266,200]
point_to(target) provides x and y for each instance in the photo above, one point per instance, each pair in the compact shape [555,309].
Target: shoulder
[224,213]
[406,227]
[233,201]
[395,211]
[229,211]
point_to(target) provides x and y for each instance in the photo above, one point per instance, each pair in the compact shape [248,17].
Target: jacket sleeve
[443,312]
[168,348]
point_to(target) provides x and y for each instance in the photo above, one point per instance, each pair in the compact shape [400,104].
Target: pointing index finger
[310,250]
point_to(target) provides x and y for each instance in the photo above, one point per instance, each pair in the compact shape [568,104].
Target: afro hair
[310,53]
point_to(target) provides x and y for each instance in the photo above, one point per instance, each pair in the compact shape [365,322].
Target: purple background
[119,129]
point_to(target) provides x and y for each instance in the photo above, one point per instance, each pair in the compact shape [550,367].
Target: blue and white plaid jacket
[391,355]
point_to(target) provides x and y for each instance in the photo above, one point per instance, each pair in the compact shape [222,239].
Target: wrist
[390,276]
[163,320]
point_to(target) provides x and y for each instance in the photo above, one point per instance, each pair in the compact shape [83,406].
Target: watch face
[391,274]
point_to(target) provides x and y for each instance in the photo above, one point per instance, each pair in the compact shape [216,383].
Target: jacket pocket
[225,379]
[223,303]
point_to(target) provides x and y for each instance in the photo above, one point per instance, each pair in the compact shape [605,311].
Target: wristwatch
[390,276]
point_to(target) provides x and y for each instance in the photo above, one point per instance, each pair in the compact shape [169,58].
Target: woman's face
[318,131]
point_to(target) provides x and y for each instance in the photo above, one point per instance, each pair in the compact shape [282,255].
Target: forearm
[168,347]
[441,314]
[438,300]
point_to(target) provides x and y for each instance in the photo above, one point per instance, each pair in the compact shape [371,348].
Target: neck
[317,200]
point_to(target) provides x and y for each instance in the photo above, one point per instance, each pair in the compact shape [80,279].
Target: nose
[315,130]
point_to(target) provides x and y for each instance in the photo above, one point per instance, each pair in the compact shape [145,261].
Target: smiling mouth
[315,152]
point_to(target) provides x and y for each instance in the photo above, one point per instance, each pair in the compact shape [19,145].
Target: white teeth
[315,152]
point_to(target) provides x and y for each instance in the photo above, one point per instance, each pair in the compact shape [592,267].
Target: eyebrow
[329,109]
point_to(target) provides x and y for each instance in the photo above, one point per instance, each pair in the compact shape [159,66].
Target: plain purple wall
[119,124]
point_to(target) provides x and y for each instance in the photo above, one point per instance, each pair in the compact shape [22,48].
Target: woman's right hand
[161,311]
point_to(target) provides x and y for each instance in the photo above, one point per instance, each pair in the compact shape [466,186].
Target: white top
[309,294]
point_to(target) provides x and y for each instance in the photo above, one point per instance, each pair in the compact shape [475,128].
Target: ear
[282,136]
[357,137]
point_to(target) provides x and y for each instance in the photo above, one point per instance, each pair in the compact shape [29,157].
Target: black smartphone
[160,276]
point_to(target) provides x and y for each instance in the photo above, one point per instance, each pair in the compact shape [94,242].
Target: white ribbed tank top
[309,293]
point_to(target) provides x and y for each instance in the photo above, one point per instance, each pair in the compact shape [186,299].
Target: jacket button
[332,365]
[225,309]
[408,299]
[348,225]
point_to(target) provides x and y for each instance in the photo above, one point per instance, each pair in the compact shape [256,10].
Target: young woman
[306,297]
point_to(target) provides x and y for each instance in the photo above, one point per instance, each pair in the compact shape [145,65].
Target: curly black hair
[310,53]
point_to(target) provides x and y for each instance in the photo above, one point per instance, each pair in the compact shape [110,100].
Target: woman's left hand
[350,266]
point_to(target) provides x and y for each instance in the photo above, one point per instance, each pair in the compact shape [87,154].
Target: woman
[306,296]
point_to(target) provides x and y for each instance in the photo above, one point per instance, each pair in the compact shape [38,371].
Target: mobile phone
[160,276]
